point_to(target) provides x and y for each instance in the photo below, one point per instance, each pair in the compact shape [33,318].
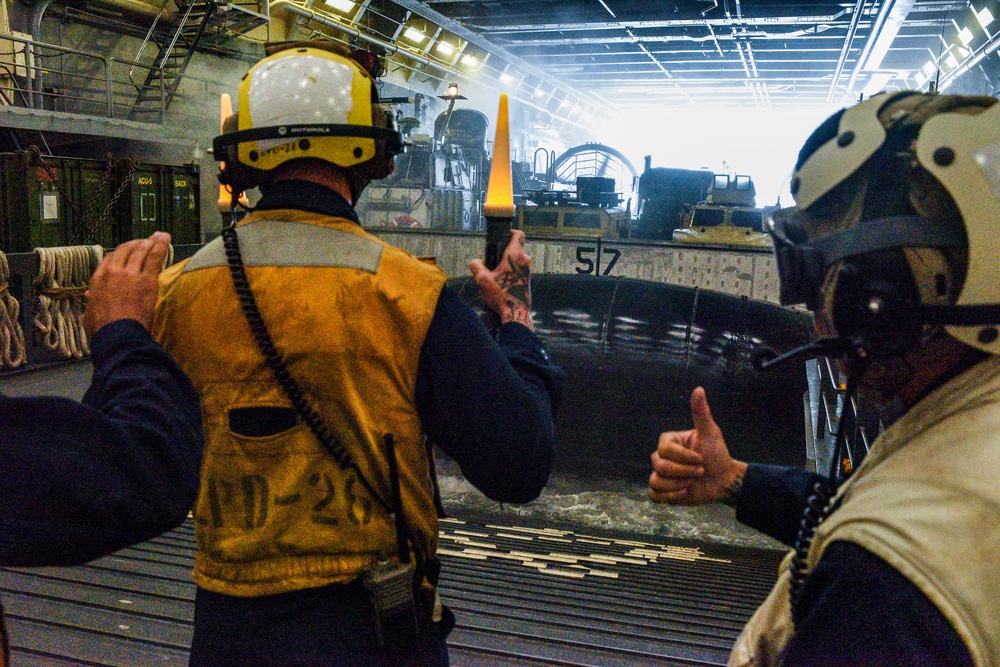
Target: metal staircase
[178,42]
[163,79]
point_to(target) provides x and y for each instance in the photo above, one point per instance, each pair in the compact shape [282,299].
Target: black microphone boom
[764,357]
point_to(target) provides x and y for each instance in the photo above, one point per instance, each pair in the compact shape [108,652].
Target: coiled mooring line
[12,352]
[63,275]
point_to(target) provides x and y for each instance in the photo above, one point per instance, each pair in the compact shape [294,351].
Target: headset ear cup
[872,305]
[238,176]
[382,164]
[846,311]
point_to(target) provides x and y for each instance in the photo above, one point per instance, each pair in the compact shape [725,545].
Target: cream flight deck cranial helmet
[308,100]
[896,227]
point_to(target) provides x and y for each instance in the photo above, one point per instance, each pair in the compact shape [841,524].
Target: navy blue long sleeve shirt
[856,610]
[81,480]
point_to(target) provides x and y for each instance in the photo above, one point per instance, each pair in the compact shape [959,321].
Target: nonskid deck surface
[523,596]
[525,592]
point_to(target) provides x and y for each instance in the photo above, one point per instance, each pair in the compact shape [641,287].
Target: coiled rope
[63,275]
[12,352]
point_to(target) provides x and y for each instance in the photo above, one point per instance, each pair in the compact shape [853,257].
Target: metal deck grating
[523,595]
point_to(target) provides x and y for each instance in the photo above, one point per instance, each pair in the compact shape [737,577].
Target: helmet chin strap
[357,185]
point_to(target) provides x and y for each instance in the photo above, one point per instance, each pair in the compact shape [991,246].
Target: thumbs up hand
[694,467]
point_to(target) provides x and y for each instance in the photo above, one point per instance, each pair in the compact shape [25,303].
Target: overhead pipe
[665,23]
[986,49]
[757,34]
[852,30]
[134,8]
[884,30]
[36,28]
[36,17]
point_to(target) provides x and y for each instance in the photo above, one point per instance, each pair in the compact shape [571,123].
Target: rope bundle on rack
[12,352]
[63,275]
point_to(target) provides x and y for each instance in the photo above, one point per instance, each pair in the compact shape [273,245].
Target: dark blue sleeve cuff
[113,336]
[772,499]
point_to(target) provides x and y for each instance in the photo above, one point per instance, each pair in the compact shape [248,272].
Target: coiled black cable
[327,440]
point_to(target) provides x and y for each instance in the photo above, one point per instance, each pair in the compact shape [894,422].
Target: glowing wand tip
[500,192]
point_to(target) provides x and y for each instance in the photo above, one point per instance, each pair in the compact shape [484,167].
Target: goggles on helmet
[803,262]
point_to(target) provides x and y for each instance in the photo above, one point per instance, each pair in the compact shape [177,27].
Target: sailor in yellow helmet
[893,244]
[323,357]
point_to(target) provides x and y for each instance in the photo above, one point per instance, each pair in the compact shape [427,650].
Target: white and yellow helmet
[308,100]
[911,183]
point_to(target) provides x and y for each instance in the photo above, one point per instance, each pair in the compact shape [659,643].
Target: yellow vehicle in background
[593,210]
[728,215]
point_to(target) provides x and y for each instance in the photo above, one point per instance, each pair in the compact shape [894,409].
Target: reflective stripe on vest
[282,243]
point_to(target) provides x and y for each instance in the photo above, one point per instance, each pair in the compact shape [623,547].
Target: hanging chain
[132,166]
[91,230]
[78,219]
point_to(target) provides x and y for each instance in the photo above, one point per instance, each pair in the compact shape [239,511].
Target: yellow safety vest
[349,314]
[926,500]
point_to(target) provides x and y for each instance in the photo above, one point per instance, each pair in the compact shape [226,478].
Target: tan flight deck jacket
[349,314]
[927,501]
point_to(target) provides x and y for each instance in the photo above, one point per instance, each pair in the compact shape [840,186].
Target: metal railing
[60,78]
[825,408]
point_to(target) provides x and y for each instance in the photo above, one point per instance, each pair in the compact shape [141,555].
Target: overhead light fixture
[920,78]
[951,61]
[414,35]
[469,61]
[445,48]
[451,94]
[965,36]
[506,79]
[985,16]
[344,6]
[539,92]
[962,53]
[929,67]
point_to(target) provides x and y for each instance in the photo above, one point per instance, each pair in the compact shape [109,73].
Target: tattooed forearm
[733,492]
[515,311]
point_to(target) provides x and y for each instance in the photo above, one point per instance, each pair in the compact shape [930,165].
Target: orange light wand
[499,206]
[227,205]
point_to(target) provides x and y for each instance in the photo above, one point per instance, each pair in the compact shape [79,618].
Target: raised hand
[694,467]
[507,289]
[124,286]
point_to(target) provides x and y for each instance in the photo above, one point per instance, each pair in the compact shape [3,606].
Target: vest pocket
[261,421]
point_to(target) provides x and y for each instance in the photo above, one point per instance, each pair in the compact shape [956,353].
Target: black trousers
[317,627]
